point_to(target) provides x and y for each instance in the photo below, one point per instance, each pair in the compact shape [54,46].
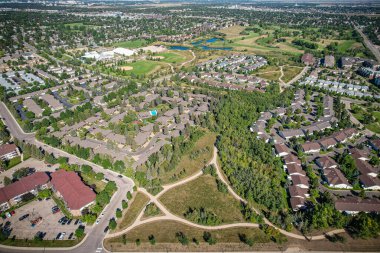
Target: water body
[201,45]
[182,48]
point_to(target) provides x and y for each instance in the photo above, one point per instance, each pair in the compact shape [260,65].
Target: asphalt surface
[96,234]
[368,43]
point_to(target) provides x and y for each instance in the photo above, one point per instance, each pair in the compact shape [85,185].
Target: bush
[112,224]
[151,210]
[222,187]
[182,238]
[119,213]
[129,195]
[138,242]
[208,238]
[210,170]
[202,216]
[124,204]
[152,240]
[79,232]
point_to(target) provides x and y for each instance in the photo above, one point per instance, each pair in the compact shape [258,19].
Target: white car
[62,236]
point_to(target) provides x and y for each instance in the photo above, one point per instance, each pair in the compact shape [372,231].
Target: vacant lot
[188,166]
[136,205]
[203,192]
[290,72]
[165,231]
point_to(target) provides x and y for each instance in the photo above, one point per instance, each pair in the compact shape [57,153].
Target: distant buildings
[308,59]
[329,61]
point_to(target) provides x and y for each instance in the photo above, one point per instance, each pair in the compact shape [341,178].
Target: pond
[178,48]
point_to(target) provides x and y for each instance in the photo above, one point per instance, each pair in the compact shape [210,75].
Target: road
[94,239]
[368,43]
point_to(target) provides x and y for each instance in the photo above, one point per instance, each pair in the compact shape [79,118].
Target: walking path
[169,216]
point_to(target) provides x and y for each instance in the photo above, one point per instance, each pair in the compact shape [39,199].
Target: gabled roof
[335,177]
[7,148]
[357,204]
[75,193]
[326,162]
[24,185]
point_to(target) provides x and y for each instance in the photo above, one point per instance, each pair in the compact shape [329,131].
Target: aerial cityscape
[189,126]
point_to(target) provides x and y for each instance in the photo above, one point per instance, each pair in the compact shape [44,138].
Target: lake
[200,44]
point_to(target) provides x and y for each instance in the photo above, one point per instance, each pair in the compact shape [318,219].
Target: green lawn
[290,73]
[43,243]
[203,192]
[143,67]
[359,115]
[171,57]
[137,204]
[131,43]
[13,162]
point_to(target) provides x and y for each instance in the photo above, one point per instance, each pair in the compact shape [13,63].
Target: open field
[271,76]
[131,43]
[171,57]
[142,67]
[203,192]
[136,205]
[190,166]
[359,115]
[290,72]
[165,231]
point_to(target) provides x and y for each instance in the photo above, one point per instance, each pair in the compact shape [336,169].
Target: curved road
[95,234]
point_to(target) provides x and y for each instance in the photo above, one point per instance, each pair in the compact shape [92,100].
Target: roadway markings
[99,250]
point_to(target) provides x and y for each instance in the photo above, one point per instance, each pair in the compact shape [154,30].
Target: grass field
[99,184]
[290,72]
[137,204]
[44,243]
[271,76]
[190,166]
[143,67]
[359,115]
[203,192]
[165,231]
[131,43]
[171,57]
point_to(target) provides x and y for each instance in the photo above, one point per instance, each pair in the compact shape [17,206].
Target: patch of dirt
[126,68]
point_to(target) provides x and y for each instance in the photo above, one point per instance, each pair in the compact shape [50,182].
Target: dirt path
[169,216]
[186,62]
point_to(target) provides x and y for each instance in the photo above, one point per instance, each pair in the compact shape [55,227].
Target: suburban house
[375,144]
[326,162]
[297,203]
[291,159]
[353,205]
[69,186]
[8,151]
[12,193]
[295,169]
[327,143]
[287,134]
[311,147]
[369,183]
[281,150]
[300,181]
[335,178]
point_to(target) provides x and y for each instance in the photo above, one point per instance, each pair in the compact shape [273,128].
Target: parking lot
[49,224]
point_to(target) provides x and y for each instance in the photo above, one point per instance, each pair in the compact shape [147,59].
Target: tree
[364,226]
[112,224]
[102,198]
[152,240]
[45,193]
[110,187]
[124,204]
[182,238]
[119,213]
[79,232]
[129,195]
[208,238]
[7,181]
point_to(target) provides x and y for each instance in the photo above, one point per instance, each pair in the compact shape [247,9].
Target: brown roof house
[8,151]
[311,147]
[69,186]
[326,162]
[335,178]
[353,205]
[329,61]
[369,183]
[281,149]
[12,193]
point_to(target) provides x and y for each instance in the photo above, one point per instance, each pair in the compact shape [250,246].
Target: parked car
[69,222]
[97,221]
[23,217]
[71,236]
[106,229]
[58,236]
[76,222]
[120,176]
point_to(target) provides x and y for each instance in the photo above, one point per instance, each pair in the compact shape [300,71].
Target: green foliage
[46,193]
[209,238]
[365,226]
[152,240]
[112,224]
[119,213]
[124,204]
[103,198]
[248,162]
[243,238]
[222,187]
[129,195]
[151,210]
[210,169]
[79,232]
[202,216]
[182,238]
